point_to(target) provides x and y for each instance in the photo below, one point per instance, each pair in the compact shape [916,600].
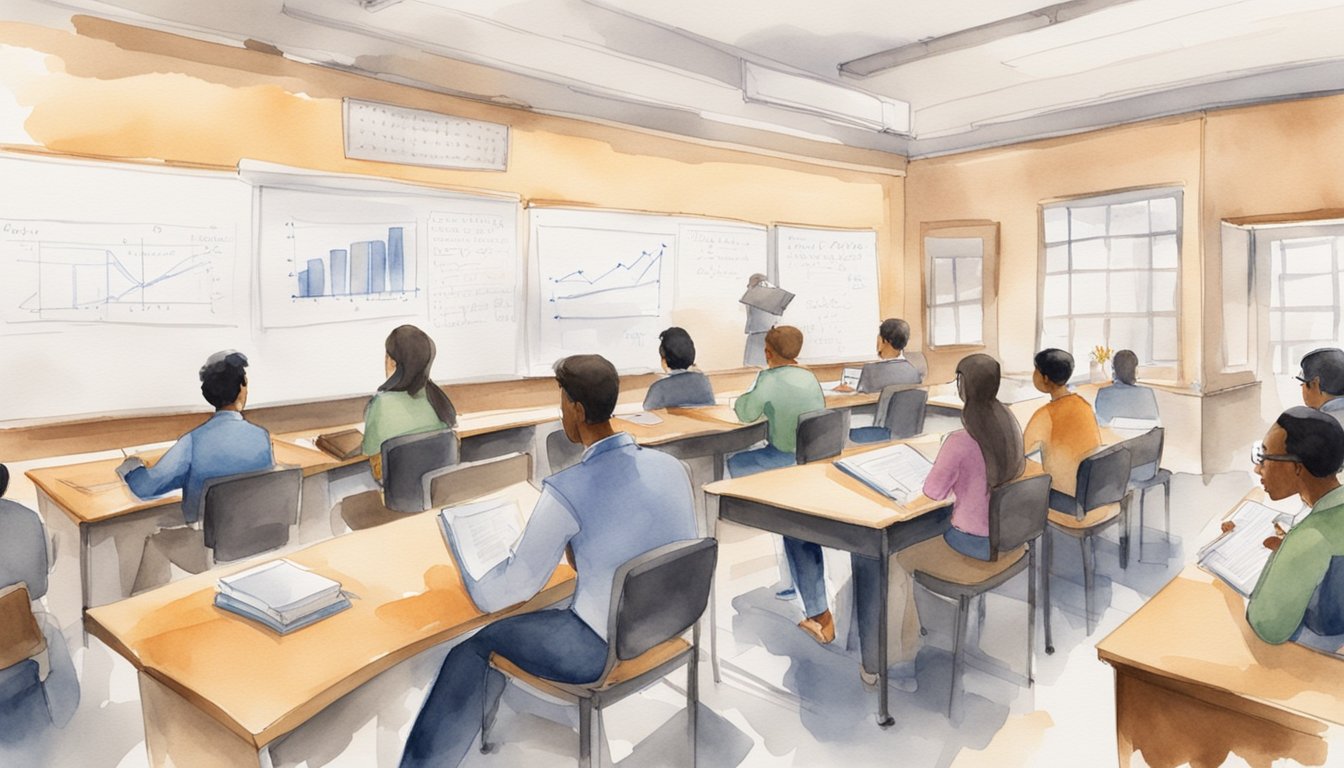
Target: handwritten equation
[415,137]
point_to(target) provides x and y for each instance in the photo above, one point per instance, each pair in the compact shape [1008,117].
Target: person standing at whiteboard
[765,307]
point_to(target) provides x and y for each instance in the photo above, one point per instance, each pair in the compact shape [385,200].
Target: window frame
[988,234]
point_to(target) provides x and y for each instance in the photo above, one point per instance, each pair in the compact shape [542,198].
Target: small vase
[1098,373]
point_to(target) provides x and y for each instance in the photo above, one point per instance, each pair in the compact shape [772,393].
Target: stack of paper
[281,595]
[482,535]
[1239,556]
[897,472]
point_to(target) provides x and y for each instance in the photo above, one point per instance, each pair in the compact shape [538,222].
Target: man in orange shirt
[1065,429]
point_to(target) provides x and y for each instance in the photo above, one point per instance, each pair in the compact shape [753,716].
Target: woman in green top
[408,402]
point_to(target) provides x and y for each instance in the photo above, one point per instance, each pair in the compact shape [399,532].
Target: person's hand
[128,466]
[1229,526]
[842,388]
[1272,543]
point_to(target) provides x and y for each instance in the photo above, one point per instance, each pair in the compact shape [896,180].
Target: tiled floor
[783,700]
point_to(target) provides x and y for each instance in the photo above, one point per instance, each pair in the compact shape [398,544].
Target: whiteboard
[609,282]
[833,276]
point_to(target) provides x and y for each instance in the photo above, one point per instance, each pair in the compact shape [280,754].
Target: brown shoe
[821,627]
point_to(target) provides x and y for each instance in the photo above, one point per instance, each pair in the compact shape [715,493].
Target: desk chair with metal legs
[900,414]
[1017,515]
[1146,456]
[406,459]
[1102,499]
[655,598]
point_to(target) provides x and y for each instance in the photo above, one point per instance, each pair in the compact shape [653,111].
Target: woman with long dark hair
[409,401]
[985,454]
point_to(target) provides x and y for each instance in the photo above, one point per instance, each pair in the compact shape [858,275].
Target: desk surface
[91,491]
[1194,630]
[407,597]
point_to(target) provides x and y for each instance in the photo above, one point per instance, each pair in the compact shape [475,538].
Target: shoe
[907,684]
[820,627]
[787,593]
[869,678]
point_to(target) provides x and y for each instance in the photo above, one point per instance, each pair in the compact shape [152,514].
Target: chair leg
[1046,552]
[693,690]
[1143,497]
[1166,500]
[980,619]
[1089,567]
[958,650]
[585,733]
[1124,529]
[1031,610]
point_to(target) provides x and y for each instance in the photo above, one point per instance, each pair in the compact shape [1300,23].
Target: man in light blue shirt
[1322,379]
[1124,398]
[618,502]
[225,444]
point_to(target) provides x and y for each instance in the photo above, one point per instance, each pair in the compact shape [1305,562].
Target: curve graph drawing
[127,273]
[624,289]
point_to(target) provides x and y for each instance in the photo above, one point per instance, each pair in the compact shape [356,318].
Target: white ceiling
[677,66]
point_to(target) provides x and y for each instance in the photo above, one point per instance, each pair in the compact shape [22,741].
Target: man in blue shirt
[1322,380]
[225,444]
[682,387]
[1124,398]
[618,502]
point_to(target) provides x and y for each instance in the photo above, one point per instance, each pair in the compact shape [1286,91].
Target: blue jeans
[553,644]
[869,435]
[804,557]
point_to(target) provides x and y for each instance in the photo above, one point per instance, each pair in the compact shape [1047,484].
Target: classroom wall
[114,91]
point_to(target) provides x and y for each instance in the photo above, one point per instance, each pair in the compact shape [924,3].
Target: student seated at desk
[892,367]
[1063,430]
[682,386]
[1123,398]
[226,444]
[983,455]
[1322,379]
[1301,455]
[619,501]
[781,393]
[409,401]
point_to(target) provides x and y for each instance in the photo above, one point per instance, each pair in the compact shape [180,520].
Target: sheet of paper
[643,417]
[1240,556]
[484,532]
[900,470]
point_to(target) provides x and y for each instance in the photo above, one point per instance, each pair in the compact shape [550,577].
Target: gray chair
[560,452]
[1102,499]
[655,598]
[1017,515]
[245,515]
[406,461]
[821,435]
[918,360]
[41,689]
[900,414]
[463,482]
[1145,453]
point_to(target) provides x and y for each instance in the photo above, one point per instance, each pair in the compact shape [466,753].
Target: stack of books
[346,444]
[281,595]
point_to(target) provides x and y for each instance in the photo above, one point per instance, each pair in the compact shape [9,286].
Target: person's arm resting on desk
[1037,432]
[533,560]
[168,473]
[946,467]
[751,405]
[1279,601]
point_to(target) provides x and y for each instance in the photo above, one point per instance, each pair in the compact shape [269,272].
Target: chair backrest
[821,435]
[1145,453]
[251,513]
[406,461]
[462,482]
[1325,611]
[23,548]
[902,408]
[561,453]
[1103,478]
[657,596]
[1018,510]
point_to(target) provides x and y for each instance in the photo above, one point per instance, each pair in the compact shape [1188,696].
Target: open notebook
[482,535]
[1238,557]
[897,472]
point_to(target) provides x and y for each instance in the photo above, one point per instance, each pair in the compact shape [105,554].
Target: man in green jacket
[1301,455]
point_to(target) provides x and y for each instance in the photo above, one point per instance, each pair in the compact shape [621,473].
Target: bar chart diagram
[366,268]
[60,271]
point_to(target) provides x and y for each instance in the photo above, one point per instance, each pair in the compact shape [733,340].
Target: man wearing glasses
[1322,380]
[1301,455]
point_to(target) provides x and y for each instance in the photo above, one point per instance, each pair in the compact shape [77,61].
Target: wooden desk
[1194,684]
[89,510]
[818,502]
[217,689]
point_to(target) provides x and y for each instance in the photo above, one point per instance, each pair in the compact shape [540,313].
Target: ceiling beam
[975,36]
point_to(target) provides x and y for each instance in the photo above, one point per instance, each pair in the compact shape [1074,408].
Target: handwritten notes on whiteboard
[474,304]
[416,137]
[834,276]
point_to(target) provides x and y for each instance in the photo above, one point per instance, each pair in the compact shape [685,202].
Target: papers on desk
[482,535]
[93,488]
[643,417]
[850,377]
[897,472]
[1138,425]
[1238,557]
[280,595]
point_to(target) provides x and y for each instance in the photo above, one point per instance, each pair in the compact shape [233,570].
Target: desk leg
[65,594]
[712,523]
[178,733]
[884,718]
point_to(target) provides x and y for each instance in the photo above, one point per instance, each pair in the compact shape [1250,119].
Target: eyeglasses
[1258,455]
[1303,379]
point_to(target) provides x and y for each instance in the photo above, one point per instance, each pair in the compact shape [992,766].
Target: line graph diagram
[616,288]
[118,273]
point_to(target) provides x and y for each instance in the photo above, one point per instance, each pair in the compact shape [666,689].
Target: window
[1306,268]
[1110,275]
[956,269]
